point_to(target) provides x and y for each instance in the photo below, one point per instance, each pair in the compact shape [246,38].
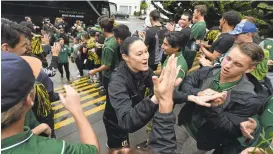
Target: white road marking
[122,22]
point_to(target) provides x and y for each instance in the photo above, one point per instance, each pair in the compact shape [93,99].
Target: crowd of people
[227,101]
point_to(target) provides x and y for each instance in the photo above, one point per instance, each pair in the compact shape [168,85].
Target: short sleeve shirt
[223,43]
[29,143]
[180,62]
[109,56]
[198,30]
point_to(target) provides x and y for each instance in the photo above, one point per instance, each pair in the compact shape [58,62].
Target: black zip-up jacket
[219,125]
[128,110]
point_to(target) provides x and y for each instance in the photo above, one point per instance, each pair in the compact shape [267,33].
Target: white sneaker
[79,76]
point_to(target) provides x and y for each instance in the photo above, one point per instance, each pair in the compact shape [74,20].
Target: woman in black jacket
[127,108]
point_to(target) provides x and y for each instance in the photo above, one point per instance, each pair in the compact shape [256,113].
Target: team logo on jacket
[124,143]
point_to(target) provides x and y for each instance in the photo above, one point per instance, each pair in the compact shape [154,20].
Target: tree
[143,6]
[262,11]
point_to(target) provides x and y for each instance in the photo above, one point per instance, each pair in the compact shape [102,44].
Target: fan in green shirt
[198,29]
[109,58]
[64,53]
[174,43]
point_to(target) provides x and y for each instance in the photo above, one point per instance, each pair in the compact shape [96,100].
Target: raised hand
[72,100]
[165,84]
[56,49]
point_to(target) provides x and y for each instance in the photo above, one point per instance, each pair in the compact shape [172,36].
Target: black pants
[105,83]
[66,67]
[100,77]
[116,137]
[79,65]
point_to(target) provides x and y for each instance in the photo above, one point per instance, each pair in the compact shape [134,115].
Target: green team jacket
[64,54]
[264,123]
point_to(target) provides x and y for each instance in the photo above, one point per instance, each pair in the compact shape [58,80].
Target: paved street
[93,104]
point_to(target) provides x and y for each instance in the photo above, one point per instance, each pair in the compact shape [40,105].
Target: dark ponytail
[124,48]
[107,24]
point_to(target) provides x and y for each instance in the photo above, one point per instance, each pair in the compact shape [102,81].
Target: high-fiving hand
[165,84]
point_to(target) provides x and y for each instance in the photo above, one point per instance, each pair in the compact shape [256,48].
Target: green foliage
[143,5]
[261,11]
[264,143]
[136,13]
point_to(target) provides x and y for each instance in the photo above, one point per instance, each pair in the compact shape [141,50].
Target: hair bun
[111,20]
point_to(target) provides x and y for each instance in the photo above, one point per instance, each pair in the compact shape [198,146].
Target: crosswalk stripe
[75,87]
[84,88]
[82,99]
[74,83]
[71,120]
[58,115]
[82,93]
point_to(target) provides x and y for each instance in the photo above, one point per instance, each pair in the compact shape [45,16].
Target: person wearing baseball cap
[244,32]
[17,98]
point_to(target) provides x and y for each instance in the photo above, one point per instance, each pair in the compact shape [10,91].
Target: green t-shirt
[28,143]
[262,68]
[109,56]
[30,120]
[64,54]
[198,30]
[180,62]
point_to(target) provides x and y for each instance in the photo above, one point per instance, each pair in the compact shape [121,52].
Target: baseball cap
[244,27]
[17,79]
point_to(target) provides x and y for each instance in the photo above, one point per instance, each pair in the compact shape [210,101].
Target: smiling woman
[135,54]
[127,109]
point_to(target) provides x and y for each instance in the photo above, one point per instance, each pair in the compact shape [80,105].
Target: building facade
[127,6]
